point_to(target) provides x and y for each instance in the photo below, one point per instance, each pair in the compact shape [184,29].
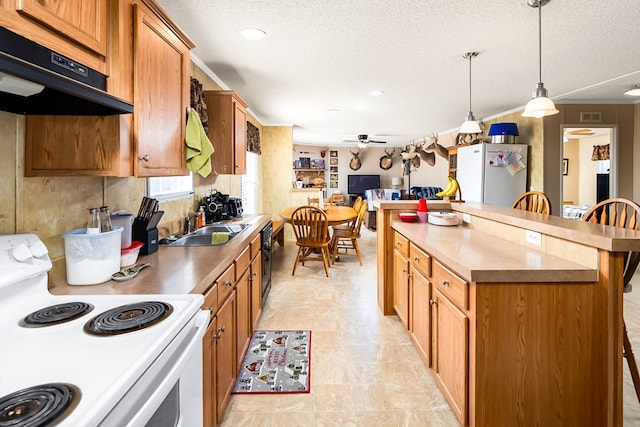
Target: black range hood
[35,80]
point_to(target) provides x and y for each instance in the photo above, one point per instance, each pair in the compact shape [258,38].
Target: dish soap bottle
[202,220]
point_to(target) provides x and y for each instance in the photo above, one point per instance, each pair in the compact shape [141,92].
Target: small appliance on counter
[145,225]
[220,206]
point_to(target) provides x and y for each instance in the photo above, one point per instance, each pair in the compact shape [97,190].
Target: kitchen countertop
[174,269]
[480,257]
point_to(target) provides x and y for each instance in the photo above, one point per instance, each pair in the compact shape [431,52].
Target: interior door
[588,174]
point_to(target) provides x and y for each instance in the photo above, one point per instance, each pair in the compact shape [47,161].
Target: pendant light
[539,105]
[470,125]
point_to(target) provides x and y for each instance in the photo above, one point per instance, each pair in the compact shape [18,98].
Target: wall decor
[333,184]
[333,177]
[333,153]
[333,169]
[333,161]
[355,163]
[565,166]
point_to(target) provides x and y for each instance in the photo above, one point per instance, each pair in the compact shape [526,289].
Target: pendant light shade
[540,105]
[470,125]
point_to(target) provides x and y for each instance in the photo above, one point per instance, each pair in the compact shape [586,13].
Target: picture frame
[333,184]
[333,169]
[333,177]
[333,161]
[333,153]
[565,166]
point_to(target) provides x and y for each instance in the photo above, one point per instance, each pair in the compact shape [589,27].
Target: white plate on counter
[443,218]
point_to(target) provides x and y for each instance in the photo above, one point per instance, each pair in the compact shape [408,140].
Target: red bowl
[408,216]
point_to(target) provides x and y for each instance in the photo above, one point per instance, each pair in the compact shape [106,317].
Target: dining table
[335,214]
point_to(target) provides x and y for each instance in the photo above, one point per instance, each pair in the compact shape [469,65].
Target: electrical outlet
[466,218]
[534,238]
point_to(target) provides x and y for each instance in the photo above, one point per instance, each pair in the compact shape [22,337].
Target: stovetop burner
[128,318]
[45,404]
[55,314]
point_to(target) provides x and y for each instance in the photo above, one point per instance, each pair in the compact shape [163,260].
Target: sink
[224,228]
[202,236]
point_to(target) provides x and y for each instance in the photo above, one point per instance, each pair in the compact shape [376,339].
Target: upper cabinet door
[161,97]
[82,21]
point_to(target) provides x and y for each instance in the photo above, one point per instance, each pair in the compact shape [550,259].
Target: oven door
[169,393]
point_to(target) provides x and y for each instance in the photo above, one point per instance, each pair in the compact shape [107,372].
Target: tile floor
[364,368]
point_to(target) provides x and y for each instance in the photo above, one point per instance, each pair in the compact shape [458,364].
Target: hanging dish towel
[199,148]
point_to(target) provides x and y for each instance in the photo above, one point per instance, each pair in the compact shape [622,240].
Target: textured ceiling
[329,54]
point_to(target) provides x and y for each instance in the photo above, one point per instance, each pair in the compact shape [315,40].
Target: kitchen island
[515,333]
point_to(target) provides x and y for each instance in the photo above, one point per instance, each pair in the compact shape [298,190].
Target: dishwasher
[265,249]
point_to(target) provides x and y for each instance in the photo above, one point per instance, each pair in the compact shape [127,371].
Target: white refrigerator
[492,173]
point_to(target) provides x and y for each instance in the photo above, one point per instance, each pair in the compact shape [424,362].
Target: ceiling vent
[590,117]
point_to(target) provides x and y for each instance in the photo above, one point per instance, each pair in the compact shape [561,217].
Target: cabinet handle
[219,334]
[404,270]
[144,158]
[432,302]
[229,283]
[416,259]
[444,282]
[399,243]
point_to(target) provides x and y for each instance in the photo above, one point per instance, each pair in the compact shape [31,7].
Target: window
[249,185]
[170,187]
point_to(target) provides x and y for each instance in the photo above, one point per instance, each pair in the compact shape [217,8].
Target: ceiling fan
[581,132]
[363,140]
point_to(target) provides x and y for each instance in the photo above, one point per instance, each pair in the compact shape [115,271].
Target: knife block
[148,237]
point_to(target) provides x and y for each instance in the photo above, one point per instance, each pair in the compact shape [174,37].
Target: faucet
[187,223]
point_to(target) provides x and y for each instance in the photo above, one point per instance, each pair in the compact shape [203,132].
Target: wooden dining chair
[356,203]
[345,237]
[620,212]
[311,228]
[337,199]
[313,201]
[533,201]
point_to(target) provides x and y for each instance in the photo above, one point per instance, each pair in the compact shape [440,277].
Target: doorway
[588,169]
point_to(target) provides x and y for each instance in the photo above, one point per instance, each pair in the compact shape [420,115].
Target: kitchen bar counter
[481,257]
[523,311]
[174,270]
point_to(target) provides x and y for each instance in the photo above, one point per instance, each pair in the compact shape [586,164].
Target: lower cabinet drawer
[401,243]
[226,283]
[421,260]
[454,287]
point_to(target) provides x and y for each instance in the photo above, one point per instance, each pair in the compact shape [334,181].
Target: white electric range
[145,375]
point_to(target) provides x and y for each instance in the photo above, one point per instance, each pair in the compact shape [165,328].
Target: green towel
[219,237]
[199,148]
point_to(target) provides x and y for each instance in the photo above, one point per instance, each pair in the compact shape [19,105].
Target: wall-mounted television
[358,184]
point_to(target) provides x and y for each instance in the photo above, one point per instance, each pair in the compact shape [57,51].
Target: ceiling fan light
[362,144]
[634,91]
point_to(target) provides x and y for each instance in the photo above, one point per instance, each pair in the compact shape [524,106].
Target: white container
[91,258]
[125,221]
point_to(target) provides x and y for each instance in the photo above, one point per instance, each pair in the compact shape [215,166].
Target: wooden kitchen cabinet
[231,301]
[255,281]
[149,59]
[243,305]
[227,131]
[401,287]
[450,355]
[420,313]
[77,29]
[225,352]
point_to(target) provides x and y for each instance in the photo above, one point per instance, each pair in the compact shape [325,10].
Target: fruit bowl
[408,216]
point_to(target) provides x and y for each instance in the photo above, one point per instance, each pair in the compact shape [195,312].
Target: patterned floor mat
[276,362]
